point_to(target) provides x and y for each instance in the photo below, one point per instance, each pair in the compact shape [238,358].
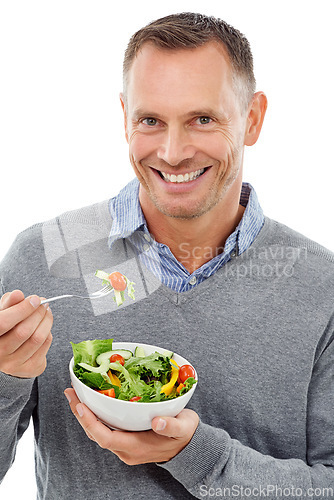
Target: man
[249,301]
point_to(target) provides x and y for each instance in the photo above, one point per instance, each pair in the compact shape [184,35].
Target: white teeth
[182,178]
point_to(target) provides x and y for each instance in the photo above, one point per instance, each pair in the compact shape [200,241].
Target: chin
[183,213]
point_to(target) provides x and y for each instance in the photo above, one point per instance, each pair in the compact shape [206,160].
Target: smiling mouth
[180,178]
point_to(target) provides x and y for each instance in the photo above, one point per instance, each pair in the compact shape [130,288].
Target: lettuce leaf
[94,380]
[155,365]
[188,385]
[88,350]
[133,385]
[140,376]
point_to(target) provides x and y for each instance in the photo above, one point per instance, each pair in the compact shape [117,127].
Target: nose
[176,146]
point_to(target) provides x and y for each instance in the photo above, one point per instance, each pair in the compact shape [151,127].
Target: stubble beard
[213,197]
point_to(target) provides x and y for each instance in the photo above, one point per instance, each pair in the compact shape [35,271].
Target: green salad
[130,376]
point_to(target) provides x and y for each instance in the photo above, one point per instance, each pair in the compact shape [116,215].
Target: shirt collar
[128,216]
[252,219]
[126,213]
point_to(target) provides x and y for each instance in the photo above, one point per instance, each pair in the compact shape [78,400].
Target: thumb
[179,427]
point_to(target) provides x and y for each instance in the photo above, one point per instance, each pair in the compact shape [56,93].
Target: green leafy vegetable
[143,376]
[88,350]
[187,385]
[154,365]
[130,286]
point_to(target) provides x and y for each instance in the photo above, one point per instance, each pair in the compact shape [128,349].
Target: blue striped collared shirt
[129,222]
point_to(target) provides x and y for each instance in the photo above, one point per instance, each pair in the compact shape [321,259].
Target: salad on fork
[114,282]
[119,282]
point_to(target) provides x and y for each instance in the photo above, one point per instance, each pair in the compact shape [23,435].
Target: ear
[122,99]
[256,112]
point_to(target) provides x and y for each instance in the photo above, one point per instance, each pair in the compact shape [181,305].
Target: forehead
[178,76]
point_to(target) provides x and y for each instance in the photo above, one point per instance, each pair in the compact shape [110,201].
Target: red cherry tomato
[117,357]
[185,372]
[135,398]
[108,392]
[117,280]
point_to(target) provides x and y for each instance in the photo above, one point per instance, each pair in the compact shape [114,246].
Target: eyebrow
[142,112]
[207,112]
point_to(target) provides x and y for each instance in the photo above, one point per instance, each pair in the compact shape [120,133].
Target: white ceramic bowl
[129,415]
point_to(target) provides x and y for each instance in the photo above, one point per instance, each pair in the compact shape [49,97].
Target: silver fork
[96,295]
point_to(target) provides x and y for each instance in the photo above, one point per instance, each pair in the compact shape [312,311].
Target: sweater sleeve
[214,464]
[18,397]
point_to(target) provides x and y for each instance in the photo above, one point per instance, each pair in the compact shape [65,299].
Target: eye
[204,120]
[151,122]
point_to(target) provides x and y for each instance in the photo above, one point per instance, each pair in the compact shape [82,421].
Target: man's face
[185,129]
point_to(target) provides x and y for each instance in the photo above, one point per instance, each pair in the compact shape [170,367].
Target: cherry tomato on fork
[117,357]
[185,372]
[117,280]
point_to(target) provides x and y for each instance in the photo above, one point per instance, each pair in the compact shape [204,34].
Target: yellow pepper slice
[114,379]
[167,388]
[173,362]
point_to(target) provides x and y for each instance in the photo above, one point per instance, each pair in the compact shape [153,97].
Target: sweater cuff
[13,385]
[208,446]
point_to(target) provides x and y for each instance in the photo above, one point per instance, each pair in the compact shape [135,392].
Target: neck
[195,241]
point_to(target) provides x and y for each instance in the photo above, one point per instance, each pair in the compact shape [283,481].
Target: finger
[179,427]
[29,361]
[40,330]
[35,365]
[10,299]
[94,429]
[71,396]
[42,351]
[12,315]
[132,448]
[24,331]
[105,437]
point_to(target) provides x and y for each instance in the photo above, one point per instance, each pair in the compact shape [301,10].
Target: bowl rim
[154,403]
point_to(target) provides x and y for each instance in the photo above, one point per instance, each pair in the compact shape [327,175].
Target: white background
[61,135]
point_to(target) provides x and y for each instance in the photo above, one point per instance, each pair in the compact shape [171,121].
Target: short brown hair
[191,30]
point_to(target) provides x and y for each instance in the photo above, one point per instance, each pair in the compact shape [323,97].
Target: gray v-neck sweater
[259,332]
